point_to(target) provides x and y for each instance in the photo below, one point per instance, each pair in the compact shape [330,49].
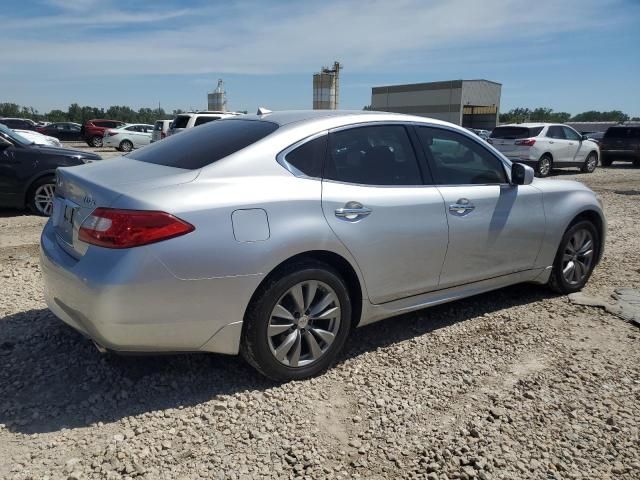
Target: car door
[495,228]
[558,145]
[375,200]
[576,152]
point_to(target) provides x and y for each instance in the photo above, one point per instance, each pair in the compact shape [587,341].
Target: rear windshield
[181,121]
[512,133]
[198,147]
[622,132]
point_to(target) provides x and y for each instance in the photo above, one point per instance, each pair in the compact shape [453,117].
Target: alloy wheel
[545,166]
[43,198]
[304,323]
[578,257]
[592,163]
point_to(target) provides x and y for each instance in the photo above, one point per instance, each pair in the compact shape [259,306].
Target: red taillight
[162,135]
[527,142]
[111,228]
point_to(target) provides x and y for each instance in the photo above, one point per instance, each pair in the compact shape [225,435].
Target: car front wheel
[125,146]
[298,322]
[576,258]
[590,163]
[96,141]
[41,196]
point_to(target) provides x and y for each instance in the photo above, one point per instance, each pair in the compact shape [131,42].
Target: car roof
[529,125]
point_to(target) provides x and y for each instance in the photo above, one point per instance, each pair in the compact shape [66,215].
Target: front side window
[458,160]
[181,121]
[373,155]
[308,158]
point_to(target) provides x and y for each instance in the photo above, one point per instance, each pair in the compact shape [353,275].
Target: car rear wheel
[96,141]
[576,258]
[590,163]
[41,196]
[125,146]
[545,164]
[298,322]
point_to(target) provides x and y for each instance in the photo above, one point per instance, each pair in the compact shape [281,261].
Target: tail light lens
[526,142]
[112,228]
[162,135]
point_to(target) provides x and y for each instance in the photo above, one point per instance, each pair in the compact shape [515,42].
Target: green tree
[596,116]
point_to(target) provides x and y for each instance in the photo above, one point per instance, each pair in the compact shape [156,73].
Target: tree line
[542,114]
[80,114]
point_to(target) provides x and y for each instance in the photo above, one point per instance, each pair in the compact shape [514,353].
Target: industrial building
[326,88]
[217,100]
[469,103]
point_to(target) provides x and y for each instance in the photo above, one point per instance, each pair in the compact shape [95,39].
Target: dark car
[93,130]
[595,136]
[18,123]
[621,143]
[66,131]
[27,171]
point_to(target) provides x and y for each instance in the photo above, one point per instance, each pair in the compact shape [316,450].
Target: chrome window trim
[282,160]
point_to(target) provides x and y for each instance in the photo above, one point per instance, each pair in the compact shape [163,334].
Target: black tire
[35,204]
[95,141]
[125,146]
[255,340]
[557,281]
[589,164]
[541,168]
[605,162]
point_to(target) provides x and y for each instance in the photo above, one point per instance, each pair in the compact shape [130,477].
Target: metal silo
[217,101]
[326,88]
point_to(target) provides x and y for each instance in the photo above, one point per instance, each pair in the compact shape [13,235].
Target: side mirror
[4,143]
[585,137]
[521,174]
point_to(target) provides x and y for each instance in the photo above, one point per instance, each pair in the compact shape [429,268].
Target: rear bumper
[126,300]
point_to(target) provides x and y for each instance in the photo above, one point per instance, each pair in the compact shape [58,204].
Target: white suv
[193,119]
[546,146]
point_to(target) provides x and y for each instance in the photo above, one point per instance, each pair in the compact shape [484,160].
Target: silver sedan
[271,235]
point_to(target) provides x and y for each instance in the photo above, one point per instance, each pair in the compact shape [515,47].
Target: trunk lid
[504,139]
[80,190]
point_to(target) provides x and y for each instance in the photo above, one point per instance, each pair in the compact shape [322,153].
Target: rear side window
[181,121]
[513,133]
[375,155]
[556,132]
[619,132]
[203,120]
[308,158]
[198,147]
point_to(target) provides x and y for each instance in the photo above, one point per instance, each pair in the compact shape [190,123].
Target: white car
[194,119]
[128,137]
[39,138]
[545,146]
[160,130]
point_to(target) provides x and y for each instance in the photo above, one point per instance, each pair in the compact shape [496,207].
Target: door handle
[461,207]
[352,211]
[551,141]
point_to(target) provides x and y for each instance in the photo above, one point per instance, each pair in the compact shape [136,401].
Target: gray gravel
[517,383]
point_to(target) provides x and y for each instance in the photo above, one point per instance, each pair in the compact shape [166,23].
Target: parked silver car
[272,235]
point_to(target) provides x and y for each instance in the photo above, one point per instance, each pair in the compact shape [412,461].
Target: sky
[568,55]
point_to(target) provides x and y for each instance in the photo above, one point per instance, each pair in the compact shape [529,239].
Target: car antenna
[263,111]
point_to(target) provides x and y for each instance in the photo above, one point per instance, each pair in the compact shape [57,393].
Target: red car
[93,130]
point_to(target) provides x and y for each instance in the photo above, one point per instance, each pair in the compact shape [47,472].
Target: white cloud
[253,37]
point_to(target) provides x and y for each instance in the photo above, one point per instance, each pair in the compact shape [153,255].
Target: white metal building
[470,103]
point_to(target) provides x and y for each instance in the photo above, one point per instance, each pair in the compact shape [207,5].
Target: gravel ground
[517,383]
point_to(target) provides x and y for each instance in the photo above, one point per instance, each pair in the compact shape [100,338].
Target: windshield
[19,139]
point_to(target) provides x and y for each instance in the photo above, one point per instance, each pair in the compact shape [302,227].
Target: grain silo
[217,101]
[326,88]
